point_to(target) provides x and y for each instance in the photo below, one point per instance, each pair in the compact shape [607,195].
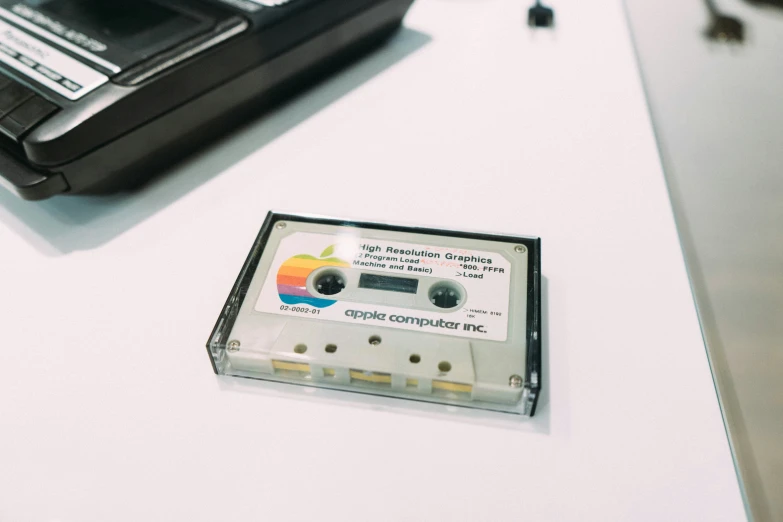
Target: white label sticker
[433,289]
[48,66]
[56,32]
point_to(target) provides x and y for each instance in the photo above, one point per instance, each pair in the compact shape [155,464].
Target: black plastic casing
[166,106]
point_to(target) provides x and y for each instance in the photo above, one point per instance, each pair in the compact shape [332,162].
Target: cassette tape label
[354,279]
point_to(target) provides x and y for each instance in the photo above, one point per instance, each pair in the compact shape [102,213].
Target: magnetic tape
[426,314]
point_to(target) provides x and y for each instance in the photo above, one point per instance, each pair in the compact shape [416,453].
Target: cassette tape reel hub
[425,314]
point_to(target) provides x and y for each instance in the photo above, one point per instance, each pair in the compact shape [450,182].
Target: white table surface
[109,410]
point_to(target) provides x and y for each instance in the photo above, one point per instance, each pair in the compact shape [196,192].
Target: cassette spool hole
[444,366]
[415,358]
[300,348]
[375,340]
[330,282]
[331,348]
[445,295]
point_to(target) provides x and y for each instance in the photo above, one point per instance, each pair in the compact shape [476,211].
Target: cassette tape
[424,314]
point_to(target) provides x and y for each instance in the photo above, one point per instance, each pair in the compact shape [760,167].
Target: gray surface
[718,113]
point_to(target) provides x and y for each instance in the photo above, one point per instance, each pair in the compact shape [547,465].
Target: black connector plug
[723,28]
[540,16]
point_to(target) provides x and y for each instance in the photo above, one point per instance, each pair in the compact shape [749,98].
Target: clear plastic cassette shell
[414,313]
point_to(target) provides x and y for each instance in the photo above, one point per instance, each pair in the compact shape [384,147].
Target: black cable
[540,15]
[722,27]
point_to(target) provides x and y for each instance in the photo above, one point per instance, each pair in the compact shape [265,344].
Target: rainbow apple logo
[293,274]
